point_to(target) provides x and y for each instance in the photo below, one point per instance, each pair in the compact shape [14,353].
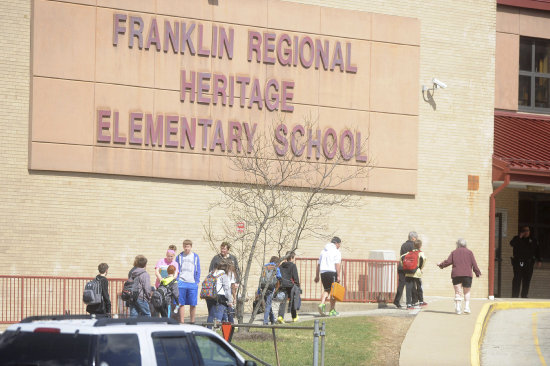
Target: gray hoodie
[142,281]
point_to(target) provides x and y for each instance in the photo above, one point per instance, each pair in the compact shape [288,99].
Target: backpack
[209,287]
[410,261]
[160,296]
[269,276]
[127,294]
[92,293]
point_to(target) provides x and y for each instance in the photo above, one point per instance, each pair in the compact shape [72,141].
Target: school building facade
[118,117]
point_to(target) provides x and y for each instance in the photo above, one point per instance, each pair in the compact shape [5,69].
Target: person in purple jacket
[463,262]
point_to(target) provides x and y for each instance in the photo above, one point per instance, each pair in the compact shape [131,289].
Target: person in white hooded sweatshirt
[329,268]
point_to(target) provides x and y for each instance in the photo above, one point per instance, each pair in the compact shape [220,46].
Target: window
[534,211]
[59,349]
[172,349]
[119,349]
[213,352]
[534,75]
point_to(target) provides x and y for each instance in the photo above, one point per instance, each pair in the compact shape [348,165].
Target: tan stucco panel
[148,6]
[294,17]
[61,157]
[507,19]
[506,71]
[345,23]
[534,24]
[393,140]
[347,90]
[394,78]
[63,111]
[393,29]
[63,43]
[114,160]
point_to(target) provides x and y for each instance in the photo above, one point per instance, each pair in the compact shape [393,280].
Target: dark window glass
[534,74]
[45,349]
[542,55]
[172,351]
[524,97]
[214,353]
[119,349]
[525,54]
[526,210]
[541,93]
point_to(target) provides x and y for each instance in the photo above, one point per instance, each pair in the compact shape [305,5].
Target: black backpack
[160,296]
[127,293]
[92,293]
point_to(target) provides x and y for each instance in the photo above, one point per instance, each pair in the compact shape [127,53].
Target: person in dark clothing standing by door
[105,306]
[405,248]
[526,252]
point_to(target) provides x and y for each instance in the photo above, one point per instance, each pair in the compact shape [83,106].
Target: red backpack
[410,261]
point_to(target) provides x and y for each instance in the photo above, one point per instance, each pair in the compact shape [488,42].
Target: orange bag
[337,291]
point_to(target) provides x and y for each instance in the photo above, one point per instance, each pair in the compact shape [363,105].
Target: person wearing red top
[463,262]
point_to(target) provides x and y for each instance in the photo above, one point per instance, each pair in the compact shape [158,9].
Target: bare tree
[281,200]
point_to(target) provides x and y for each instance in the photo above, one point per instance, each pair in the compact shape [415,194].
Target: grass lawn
[348,341]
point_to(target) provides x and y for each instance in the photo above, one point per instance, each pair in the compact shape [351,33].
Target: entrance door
[498,253]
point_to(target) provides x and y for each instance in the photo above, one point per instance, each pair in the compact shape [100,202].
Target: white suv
[86,341]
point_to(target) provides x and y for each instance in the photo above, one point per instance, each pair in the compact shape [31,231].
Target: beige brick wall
[65,224]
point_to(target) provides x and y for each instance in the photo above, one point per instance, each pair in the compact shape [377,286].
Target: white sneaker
[467,310]
[458,307]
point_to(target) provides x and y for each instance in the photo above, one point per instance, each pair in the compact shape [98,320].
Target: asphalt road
[517,337]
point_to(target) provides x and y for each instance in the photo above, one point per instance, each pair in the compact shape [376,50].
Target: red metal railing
[365,280]
[23,296]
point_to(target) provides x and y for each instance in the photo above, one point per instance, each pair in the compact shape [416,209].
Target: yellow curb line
[483,319]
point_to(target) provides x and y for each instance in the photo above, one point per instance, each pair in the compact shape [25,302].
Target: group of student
[280,282]
[177,284]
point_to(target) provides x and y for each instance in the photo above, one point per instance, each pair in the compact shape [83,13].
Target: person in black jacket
[526,251]
[105,306]
[405,248]
[289,279]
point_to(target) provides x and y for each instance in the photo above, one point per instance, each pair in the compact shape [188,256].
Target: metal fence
[24,296]
[365,280]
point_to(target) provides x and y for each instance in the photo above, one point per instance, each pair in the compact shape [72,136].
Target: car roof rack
[102,320]
[134,321]
[31,319]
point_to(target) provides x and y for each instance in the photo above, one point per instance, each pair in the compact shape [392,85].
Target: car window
[214,352]
[118,349]
[173,350]
[47,349]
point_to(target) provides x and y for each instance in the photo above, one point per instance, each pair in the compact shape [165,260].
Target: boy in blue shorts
[188,280]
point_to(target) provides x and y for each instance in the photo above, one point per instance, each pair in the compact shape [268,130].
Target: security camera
[439,83]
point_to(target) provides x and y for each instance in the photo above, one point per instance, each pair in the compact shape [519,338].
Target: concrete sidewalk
[438,336]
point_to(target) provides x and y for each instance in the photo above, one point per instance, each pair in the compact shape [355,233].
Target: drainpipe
[492,210]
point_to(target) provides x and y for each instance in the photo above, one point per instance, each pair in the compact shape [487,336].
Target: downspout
[492,210]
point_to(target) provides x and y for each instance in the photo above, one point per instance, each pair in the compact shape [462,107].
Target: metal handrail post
[276,350]
[323,344]
[316,343]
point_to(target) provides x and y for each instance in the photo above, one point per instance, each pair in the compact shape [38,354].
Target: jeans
[215,311]
[282,308]
[400,286]
[412,293]
[140,307]
[268,312]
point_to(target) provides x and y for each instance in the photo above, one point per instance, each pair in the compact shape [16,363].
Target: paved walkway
[500,332]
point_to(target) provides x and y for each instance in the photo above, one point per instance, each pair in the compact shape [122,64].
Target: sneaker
[333,313]
[417,306]
[410,307]
[280,320]
[423,303]
[467,310]
[397,305]
[295,319]
[321,308]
